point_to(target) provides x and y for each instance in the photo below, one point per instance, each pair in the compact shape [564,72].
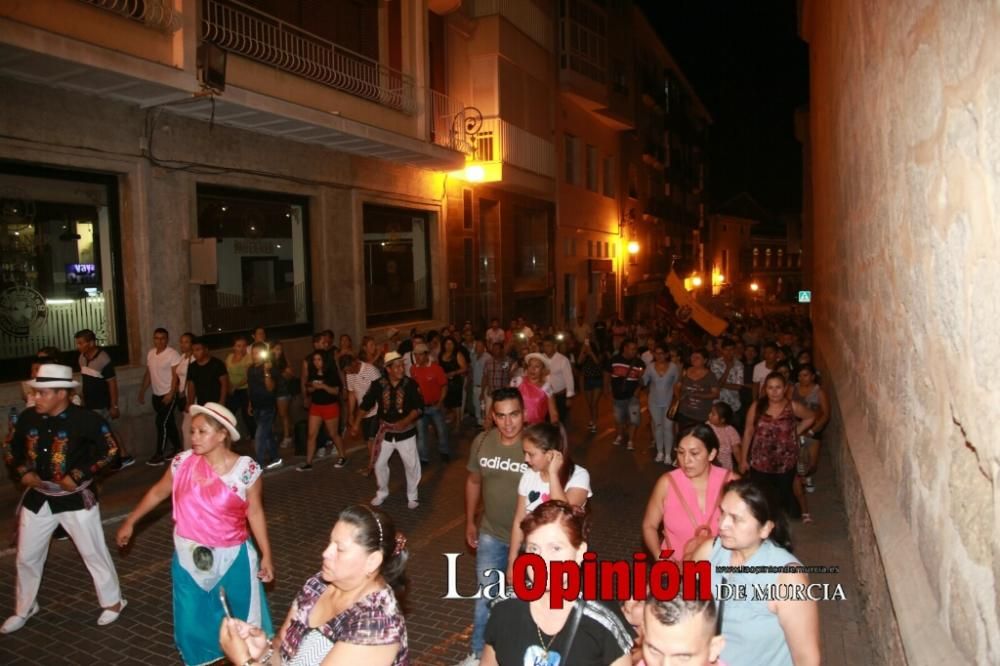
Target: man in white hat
[56,450]
[399,404]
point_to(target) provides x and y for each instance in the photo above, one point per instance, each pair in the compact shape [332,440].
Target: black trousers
[780,486]
[562,406]
[166,425]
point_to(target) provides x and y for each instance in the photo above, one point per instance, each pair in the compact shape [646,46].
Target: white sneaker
[109,616]
[275,464]
[658,458]
[631,446]
[412,504]
[377,500]
[619,441]
[471,660]
[15,622]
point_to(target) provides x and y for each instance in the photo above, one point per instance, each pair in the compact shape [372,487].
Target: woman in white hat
[539,401]
[216,498]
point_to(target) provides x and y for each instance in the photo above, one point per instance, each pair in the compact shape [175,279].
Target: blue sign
[805,297]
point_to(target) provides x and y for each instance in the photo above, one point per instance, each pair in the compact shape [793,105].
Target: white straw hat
[53,375]
[220,414]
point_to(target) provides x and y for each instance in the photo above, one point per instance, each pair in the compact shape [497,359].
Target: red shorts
[325,412]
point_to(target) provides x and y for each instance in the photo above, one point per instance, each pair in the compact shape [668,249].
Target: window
[606,253]
[572,247]
[614,246]
[531,238]
[608,168]
[397,265]
[261,262]
[572,160]
[725,262]
[60,266]
[633,182]
[590,249]
[470,262]
[767,258]
[466,209]
[592,168]
[756,256]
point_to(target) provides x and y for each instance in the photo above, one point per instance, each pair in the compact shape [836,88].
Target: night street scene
[499,332]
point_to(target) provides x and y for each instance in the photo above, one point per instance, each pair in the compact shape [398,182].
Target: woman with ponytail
[550,474]
[349,613]
[753,545]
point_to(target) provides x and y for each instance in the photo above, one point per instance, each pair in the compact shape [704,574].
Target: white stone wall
[905,133]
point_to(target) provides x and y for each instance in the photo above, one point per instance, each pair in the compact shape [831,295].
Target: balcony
[522,14]
[245,31]
[501,143]
[449,120]
[157,14]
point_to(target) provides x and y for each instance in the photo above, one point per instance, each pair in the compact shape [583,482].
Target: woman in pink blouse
[685,501]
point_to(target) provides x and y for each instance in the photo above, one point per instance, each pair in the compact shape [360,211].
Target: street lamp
[696,281]
[754,287]
[633,247]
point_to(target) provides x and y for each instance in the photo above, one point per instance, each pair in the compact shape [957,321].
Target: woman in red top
[770,450]
[533,385]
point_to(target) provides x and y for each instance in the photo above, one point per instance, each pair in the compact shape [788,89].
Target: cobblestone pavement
[300,511]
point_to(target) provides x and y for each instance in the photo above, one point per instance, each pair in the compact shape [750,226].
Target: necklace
[545,648]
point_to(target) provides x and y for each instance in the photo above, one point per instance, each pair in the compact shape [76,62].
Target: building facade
[214,165]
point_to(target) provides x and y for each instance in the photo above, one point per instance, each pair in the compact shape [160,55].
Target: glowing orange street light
[633,247]
[696,281]
[754,286]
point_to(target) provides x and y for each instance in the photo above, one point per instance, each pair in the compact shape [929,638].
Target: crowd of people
[738,435]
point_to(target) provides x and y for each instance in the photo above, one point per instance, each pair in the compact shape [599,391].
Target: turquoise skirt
[198,614]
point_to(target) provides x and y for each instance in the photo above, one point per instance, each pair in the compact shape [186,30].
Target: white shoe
[321,452]
[658,458]
[275,464]
[109,616]
[631,446]
[471,660]
[377,500]
[412,504]
[619,441]
[15,622]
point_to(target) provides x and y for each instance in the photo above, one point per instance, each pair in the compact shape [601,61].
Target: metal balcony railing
[158,14]
[253,34]
[447,123]
[499,141]
[522,14]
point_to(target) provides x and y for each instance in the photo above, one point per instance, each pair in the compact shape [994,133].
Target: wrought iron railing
[448,123]
[248,32]
[158,14]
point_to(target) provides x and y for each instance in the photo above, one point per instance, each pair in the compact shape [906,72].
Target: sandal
[806,519]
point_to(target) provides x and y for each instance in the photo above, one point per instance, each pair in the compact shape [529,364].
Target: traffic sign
[805,297]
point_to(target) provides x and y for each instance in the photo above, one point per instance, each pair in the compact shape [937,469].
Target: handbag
[702,531]
[672,410]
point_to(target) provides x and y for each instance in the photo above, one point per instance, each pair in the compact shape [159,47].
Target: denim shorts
[628,410]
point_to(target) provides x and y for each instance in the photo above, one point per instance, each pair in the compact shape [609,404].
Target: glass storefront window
[261,261]
[58,254]
[397,265]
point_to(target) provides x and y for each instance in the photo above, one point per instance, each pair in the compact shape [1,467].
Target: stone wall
[905,132]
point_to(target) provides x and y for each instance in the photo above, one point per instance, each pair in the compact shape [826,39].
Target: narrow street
[300,511]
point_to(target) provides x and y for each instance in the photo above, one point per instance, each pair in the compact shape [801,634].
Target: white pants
[407,449]
[84,527]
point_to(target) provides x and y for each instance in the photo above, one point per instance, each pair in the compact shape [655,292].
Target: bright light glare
[633,247]
[475,173]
